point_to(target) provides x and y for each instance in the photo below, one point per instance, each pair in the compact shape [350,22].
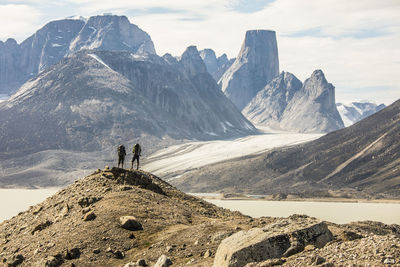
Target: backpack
[136,150]
[121,151]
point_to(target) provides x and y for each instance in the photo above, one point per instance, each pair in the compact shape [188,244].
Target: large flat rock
[288,237]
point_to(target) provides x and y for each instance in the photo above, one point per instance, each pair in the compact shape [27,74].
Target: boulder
[163,261]
[260,244]
[90,216]
[130,223]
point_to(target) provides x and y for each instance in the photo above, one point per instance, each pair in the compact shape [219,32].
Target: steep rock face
[10,54]
[191,63]
[268,106]
[356,111]
[91,100]
[313,108]
[215,66]
[114,33]
[256,65]
[48,45]
[285,103]
[58,39]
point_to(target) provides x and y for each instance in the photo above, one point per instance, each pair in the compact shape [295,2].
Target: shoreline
[341,200]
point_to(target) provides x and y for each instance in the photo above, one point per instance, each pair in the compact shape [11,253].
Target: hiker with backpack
[137,150]
[121,155]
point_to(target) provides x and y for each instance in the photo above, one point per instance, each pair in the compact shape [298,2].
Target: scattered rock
[41,226]
[141,262]
[207,253]
[163,261]
[96,251]
[16,260]
[52,261]
[349,236]
[389,260]
[89,216]
[37,210]
[132,236]
[126,188]
[87,201]
[119,254]
[73,253]
[85,210]
[267,263]
[318,260]
[130,223]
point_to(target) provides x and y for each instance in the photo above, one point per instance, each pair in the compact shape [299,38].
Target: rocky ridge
[58,39]
[116,217]
[256,65]
[285,103]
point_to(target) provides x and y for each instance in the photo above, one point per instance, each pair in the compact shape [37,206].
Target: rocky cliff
[286,103]
[268,106]
[358,161]
[256,65]
[356,111]
[215,66]
[116,217]
[57,39]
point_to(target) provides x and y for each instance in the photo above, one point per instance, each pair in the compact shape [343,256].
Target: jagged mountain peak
[286,103]
[60,38]
[112,32]
[191,62]
[256,65]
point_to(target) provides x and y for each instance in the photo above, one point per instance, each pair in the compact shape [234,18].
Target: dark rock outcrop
[256,65]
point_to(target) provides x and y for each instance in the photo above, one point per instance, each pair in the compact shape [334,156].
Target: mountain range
[358,161]
[58,39]
[288,104]
[356,111]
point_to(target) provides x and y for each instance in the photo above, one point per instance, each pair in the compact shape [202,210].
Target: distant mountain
[286,103]
[255,66]
[360,160]
[356,111]
[215,66]
[57,39]
[92,100]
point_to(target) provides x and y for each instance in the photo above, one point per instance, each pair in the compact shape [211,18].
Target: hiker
[121,155]
[137,150]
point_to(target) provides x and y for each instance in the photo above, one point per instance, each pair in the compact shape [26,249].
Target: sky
[356,43]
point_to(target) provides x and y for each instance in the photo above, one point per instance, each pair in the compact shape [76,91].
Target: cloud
[354,42]
[18,20]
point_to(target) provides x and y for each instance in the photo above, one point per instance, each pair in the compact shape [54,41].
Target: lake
[14,201]
[337,212]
